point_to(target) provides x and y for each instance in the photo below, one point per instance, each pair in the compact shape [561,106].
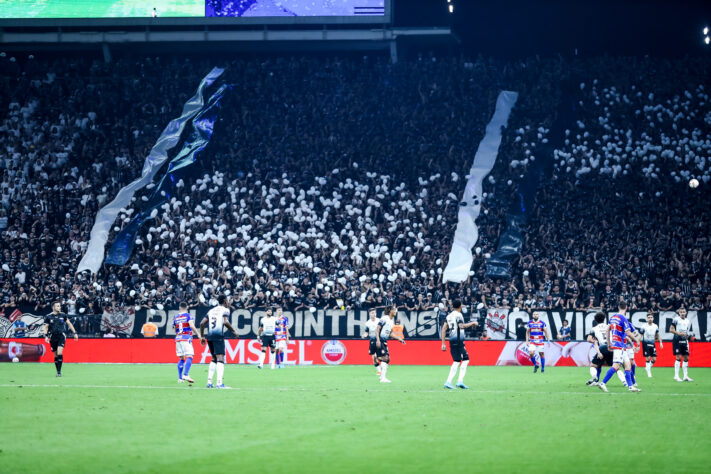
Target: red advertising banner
[323,351]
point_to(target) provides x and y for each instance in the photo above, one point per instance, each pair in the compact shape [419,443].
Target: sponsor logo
[333,352]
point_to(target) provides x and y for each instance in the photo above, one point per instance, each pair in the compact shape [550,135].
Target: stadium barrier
[325,351]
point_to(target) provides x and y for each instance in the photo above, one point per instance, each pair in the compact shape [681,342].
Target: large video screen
[57,9]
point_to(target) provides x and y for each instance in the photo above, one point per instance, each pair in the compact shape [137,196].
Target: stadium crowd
[334,182]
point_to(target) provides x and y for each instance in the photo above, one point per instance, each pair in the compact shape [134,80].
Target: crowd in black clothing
[334,182]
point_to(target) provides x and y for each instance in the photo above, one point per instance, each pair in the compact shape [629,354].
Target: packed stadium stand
[335,181]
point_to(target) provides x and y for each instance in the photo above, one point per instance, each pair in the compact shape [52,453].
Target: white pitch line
[363,390]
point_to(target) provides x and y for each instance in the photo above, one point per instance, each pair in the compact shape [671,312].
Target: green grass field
[100,8]
[136,418]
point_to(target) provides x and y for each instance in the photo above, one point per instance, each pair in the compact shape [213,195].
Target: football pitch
[100,8]
[136,418]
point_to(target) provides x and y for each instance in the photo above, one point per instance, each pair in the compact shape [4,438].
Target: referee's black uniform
[56,324]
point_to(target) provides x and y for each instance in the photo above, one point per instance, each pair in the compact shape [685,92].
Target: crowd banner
[467,233]
[326,352]
[502,323]
[494,323]
[203,124]
[94,256]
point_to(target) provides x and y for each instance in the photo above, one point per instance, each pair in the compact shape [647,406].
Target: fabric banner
[94,256]
[467,233]
[497,324]
[501,323]
[325,352]
[203,123]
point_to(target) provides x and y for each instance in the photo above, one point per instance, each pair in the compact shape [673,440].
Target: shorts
[217,347]
[268,341]
[281,345]
[681,347]
[458,351]
[56,342]
[606,358]
[184,349]
[536,347]
[619,356]
[372,348]
[383,351]
[630,355]
[649,350]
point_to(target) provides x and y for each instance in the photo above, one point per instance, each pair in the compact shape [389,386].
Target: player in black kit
[54,325]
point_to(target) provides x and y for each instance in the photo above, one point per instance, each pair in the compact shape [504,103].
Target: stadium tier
[314,193]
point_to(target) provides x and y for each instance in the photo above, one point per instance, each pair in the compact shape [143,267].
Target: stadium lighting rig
[707,39]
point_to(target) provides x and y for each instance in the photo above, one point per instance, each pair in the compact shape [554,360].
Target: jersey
[629,344]
[618,328]
[454,319]
[19,327]
[599,332]
[57,323]
[216,322]
[268,325]
[537,335]
[682,326]
[281,328]
[564,333]
[370,328]
[183,331]
[649,332]
[386,327]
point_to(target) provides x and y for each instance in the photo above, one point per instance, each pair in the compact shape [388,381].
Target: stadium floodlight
[707,40]
[706,30]
[451,8]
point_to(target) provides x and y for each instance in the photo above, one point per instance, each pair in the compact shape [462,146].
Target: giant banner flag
[467,233]
[158,156]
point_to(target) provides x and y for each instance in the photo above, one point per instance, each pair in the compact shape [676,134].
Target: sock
[273,359]
[181,363]
[452,372]
[376,364]
[211,371]
[220,372]
[543,364]
[632,374]
[648,366]
[598,372]
[676,368]
[188,364]
[533,359]
[383,369]
[628,377]
[621,375]
[262,356]
[280,358]
[58,363]
[610,372]
[685,366]
[593,371]
[463,371]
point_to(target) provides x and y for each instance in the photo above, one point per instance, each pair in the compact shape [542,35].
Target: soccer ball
[15,360]
[694,183]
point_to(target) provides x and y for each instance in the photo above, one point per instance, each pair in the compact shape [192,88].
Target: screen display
[10,9]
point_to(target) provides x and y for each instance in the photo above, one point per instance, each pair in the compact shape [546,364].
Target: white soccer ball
[15,360]
[694,183]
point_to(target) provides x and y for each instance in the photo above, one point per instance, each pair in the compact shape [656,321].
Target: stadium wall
[324,351]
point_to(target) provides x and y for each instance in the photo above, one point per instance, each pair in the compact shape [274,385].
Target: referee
[54,324]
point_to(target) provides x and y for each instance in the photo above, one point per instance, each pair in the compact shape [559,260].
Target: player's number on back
[213,323]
